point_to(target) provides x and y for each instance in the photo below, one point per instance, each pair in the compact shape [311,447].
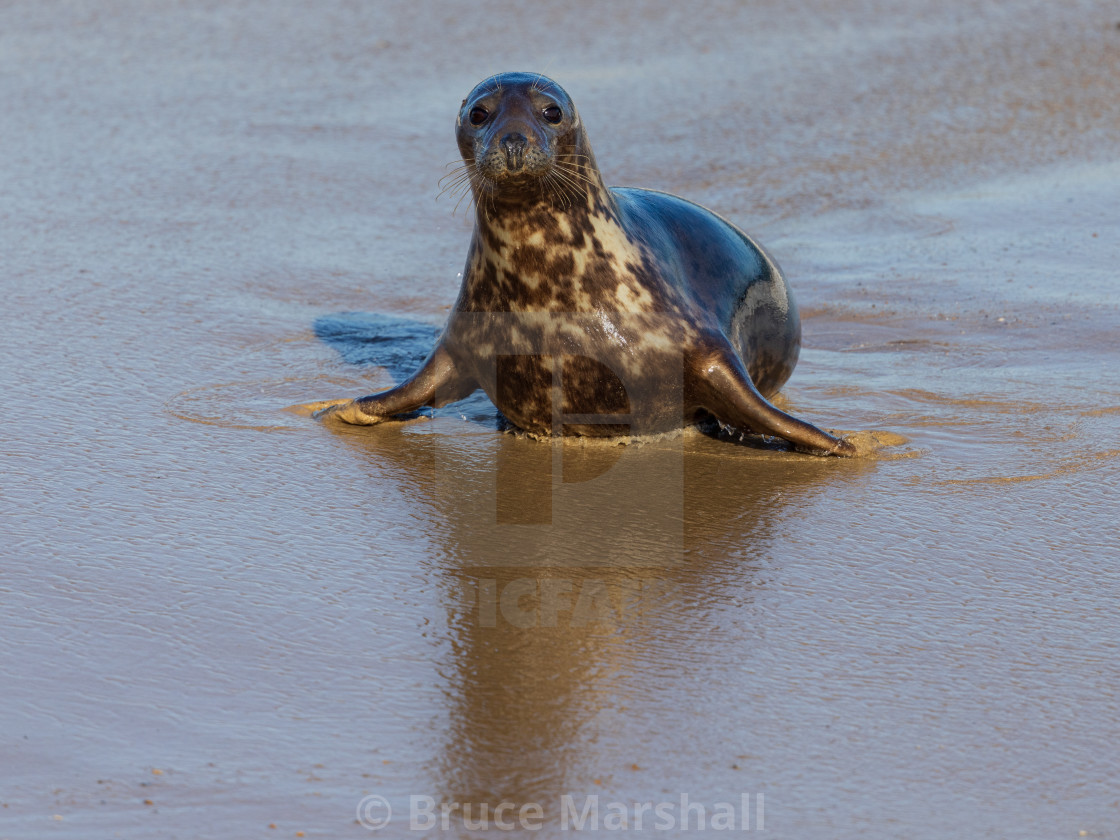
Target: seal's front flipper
[720,385]
[437,383]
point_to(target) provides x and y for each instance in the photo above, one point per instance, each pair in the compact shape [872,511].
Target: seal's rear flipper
[719,384]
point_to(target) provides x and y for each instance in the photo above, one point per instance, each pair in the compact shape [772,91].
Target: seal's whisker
[565,181]
[470,187]
[554,181]
[465,194]
[574,169]
[470,193]
[481,206]
[574,176]
[459,166]
[455,173]
[535,85]
[462,185]
[574,161]
[575,158]
[455,184]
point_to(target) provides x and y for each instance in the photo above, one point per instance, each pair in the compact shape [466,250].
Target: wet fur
[596,311]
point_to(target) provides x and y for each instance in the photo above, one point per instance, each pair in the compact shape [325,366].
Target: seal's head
[522,141]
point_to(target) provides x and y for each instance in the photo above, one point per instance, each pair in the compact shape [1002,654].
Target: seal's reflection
[549,618]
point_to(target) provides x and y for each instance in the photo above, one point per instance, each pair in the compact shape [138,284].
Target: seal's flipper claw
[721,386]
[313,409]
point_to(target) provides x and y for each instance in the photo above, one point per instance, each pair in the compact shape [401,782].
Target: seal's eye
[478,115]
[553,114]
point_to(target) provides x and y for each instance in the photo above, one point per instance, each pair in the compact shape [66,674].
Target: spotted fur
[596,311]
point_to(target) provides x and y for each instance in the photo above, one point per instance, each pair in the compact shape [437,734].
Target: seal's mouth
[513,162]
[519,173]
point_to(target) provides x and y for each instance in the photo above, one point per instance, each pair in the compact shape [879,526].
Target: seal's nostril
[514,141]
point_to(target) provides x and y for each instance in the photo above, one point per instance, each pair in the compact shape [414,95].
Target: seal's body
[596,311]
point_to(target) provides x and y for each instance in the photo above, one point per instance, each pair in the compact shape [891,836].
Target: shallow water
[220,616]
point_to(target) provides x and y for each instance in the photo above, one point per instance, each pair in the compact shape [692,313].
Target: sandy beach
[221,619]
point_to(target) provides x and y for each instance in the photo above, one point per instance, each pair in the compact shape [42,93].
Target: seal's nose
[514,147]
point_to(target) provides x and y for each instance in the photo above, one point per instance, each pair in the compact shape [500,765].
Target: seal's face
[520,136]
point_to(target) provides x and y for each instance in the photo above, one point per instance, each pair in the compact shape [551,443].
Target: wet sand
[220,617]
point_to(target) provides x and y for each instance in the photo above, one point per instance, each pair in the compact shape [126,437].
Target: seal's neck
[511,233]
[552,209]
[549,256]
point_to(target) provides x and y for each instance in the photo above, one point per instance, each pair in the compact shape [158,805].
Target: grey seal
[598,311]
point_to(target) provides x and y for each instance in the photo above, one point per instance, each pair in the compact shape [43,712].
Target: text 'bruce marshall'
[592,813]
